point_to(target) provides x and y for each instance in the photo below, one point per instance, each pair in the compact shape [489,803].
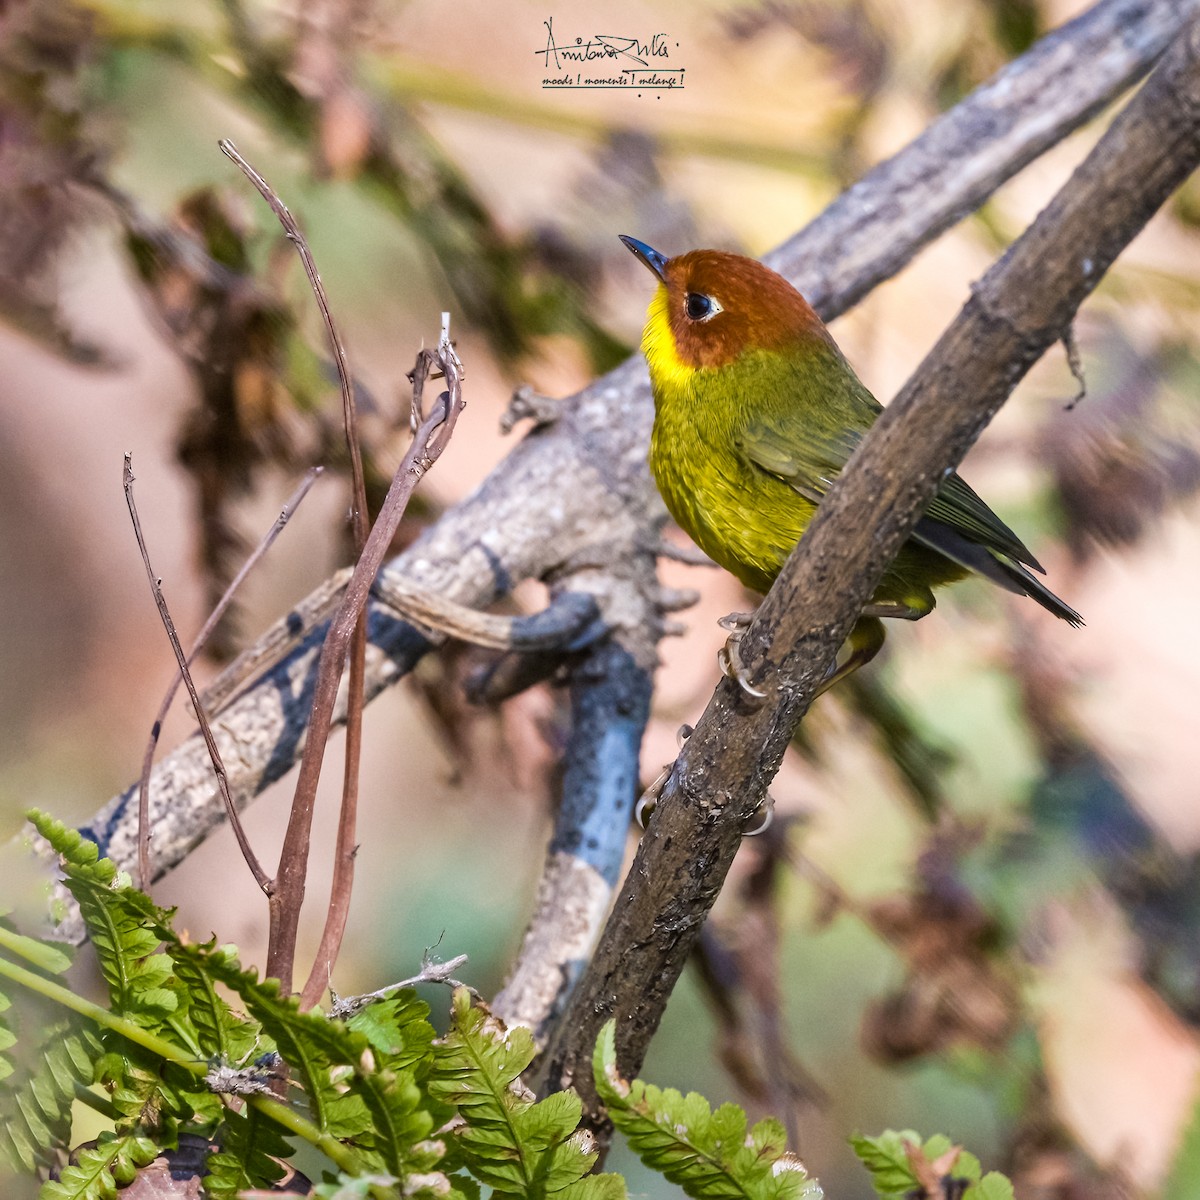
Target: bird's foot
[763,819]
[648,801]
[729,656]
[736,622]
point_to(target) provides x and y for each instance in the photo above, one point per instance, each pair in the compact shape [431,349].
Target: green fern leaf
[310,1044]
[353,1187]
[709,1154]
[52,958]
[891,1159]
[251,1145]
[887,1160]
[596,1187]
[993,1186]
[8,1039]
[513,1145]
[35,1104]
[221,1034]
[400,1128]
[463,1187]
[399,1032]
[123,925]
[113,1161]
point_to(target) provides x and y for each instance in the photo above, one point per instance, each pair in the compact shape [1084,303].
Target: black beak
[651,257]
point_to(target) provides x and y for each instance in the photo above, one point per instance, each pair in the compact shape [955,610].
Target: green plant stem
[105,1108]
[44,957]
[280,1113]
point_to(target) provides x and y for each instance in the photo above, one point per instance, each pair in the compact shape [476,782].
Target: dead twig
[268,540]
[345,848]
[288,893]
[260,876]
[344,1007]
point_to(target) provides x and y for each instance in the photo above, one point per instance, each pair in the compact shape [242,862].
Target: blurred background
[979,911]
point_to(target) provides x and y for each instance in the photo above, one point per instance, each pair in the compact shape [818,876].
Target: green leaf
[251,1145]
[399,1125]
[993,1186]
[123,925]
[220,1033]
[51,957]
[886,1159]
[707,1153]
[596,1187]
[513,1145]
[100,1168]
[35,1104]
[352,1187]
[399,1031]
[310,1044]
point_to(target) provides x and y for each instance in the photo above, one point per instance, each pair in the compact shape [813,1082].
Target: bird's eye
[700,308]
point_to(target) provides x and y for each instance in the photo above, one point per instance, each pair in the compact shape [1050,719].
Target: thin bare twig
[260,876]
[287,895]
[349,415]
[345,849]
[344,1007]
[285,515]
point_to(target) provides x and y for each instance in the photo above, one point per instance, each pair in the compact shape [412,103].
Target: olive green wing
[957,522]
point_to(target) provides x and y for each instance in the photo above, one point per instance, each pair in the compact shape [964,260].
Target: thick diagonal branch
[1022,306]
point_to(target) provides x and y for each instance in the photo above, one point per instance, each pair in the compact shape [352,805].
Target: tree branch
[1021,307]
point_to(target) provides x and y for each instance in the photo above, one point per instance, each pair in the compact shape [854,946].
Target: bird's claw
[763,818]
[648,802]
[737,622]
[729,659]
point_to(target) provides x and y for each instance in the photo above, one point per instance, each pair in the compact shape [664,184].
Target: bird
[756,412]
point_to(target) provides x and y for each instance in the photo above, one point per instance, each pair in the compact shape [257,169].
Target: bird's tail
[1032,586]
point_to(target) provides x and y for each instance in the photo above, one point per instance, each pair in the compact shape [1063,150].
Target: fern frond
[400,1126]
[35,1104]
[113,1161]
[901,1163]
[251,1145]
[221,1033]
[353,1187]
[709,1153]
[310,1044]
[517,1147]
[123,925]
[8,1038]
[399,1031]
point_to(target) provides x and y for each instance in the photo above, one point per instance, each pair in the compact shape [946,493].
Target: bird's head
[712,306]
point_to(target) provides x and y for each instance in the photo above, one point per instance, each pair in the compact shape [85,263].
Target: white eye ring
[699,307]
